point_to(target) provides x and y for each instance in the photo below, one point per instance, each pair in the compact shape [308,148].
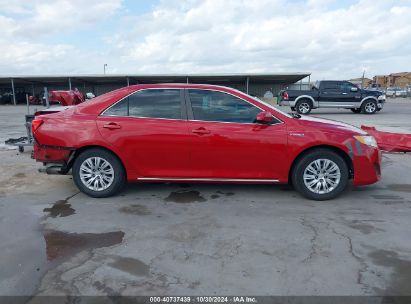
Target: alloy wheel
[322,176]
[96,173]
[304,107]
[370,107]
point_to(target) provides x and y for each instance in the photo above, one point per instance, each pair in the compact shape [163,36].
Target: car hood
[327,125]
[372,92]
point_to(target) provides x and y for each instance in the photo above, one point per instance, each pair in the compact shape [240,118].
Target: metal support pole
[14,93]
[247,83]
[46,95]
[309,80]
[69,83]
[128,81]
[188,81]
[27,101]
[32,89]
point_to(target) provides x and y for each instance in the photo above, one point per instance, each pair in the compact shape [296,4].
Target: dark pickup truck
[333,94]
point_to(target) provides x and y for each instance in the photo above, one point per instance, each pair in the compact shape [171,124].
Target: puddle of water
[60,208]
[365,228]
[390,202]
[19,175]
[387,197]
[131,266]
[400,187]
[401,278]
[135,209]
[62,244]
[226,193]
[184,197]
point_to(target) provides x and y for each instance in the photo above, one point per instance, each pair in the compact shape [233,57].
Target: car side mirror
[354,89]
[264,117]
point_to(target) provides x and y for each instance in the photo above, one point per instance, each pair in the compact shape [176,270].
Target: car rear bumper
[51,154]
[367,165]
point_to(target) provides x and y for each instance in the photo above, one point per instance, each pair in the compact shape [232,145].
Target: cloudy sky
[331,38]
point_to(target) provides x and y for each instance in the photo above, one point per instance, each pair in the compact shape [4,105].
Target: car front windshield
[263,102]
[270,106]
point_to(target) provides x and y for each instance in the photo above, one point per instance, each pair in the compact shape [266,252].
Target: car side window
[331,86]
[151,103]
[222,107]
[118,109]
[346,86]
[156,103]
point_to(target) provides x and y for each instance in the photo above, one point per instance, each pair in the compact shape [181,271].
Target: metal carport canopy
[279,78]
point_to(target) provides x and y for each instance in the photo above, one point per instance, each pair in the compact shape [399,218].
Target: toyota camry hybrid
[200,133]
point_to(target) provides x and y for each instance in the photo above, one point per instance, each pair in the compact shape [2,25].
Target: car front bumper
[367,165]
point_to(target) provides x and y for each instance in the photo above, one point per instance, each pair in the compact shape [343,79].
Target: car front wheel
[320,175]
[98,173]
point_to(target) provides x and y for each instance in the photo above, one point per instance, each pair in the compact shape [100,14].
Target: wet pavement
[191,239]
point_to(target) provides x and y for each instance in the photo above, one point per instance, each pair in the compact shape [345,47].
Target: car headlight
[381,97]
[367,140]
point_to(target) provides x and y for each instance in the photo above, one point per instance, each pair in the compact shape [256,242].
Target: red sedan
[200,133]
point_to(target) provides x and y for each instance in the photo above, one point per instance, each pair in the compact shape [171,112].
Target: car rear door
[149,127]
[226,143]
[330,93]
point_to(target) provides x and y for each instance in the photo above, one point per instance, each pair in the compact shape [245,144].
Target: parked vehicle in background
[396,92]
[390,92]
[200,133]
[333,94]
[400,92]
[66,98]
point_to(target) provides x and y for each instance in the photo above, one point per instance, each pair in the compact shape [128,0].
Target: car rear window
[150,103]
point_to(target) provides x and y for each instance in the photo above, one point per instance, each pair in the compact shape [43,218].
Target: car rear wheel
[304,106]
[369,107]
[356,110]
[320,175]
[98,173]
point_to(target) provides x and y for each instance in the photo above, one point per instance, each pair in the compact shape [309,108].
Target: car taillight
[285,95]
[35,124]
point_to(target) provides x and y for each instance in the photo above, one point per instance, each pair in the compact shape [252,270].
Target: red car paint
[189,150]
[66,98]
[390,142]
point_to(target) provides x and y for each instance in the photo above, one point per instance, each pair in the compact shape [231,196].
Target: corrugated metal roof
[135,78]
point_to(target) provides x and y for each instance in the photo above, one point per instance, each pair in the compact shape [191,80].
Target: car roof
[179,85]
[99,103]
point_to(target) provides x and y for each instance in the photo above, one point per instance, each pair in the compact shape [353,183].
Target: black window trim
[190,114]
[182,104]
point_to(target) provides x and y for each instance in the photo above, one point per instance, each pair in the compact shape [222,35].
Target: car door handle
[201,131]
[111,126]
[344,93]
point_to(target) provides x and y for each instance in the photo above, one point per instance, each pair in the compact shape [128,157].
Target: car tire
[356,110]
[304,106]
[369,107]
[331,180]
[98,173]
